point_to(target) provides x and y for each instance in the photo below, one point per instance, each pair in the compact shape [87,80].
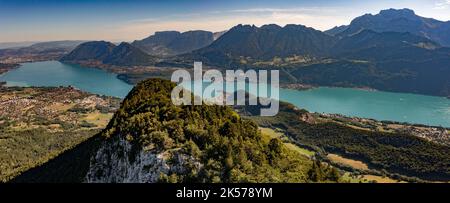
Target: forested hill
[151,140]
[104,52]
[398,154]
[168,43]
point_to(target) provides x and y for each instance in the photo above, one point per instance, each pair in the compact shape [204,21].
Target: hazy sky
[45,20]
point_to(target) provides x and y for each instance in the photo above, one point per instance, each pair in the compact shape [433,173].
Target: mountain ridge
[93,50]
[400,20]
[104,52]
[271,40]
[393,56]
[169,43]
[126,54]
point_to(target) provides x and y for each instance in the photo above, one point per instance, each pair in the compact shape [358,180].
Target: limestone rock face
[122,161]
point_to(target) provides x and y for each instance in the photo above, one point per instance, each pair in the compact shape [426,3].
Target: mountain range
[401,20]
[380,59]
[57,48]
[7,45]
[124,54]
[142,52]
[267,42]
[272,41]
[375,46]
[169,43]
[404,52]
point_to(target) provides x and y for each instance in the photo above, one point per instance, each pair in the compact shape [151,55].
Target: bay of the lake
[54,73]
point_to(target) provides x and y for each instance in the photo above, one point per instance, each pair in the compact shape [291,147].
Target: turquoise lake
[54,73]
[411,108]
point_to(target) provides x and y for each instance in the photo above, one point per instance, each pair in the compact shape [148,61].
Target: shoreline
[302,87]
[123,75]
[297,86]
[5,67]
[126,73]
[368,89]
[386,122]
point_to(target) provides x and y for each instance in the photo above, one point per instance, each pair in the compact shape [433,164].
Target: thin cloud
[442,5]
[145,20]
[303,9]
[321,18]
[142,28]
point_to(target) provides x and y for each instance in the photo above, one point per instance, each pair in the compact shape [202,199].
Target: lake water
[378,105]
[54,73]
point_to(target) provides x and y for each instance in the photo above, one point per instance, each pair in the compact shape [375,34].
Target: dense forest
[391,152]
[230,148]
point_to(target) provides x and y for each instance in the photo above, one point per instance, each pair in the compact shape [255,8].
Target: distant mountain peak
[93,50]
[168,43]
[294,26]
[128,55]
[166,32]
[124,54]
[126,45]
[405,12]
[243,27]
[271,26]
[217,35]
[398,20]
[266,43]
[336,30]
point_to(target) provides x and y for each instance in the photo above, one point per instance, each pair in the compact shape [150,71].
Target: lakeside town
[39,123]
[438,135]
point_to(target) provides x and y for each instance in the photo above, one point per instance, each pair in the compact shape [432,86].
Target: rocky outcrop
[119,161]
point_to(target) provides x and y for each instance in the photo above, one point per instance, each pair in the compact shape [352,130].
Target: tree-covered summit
[223,146]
